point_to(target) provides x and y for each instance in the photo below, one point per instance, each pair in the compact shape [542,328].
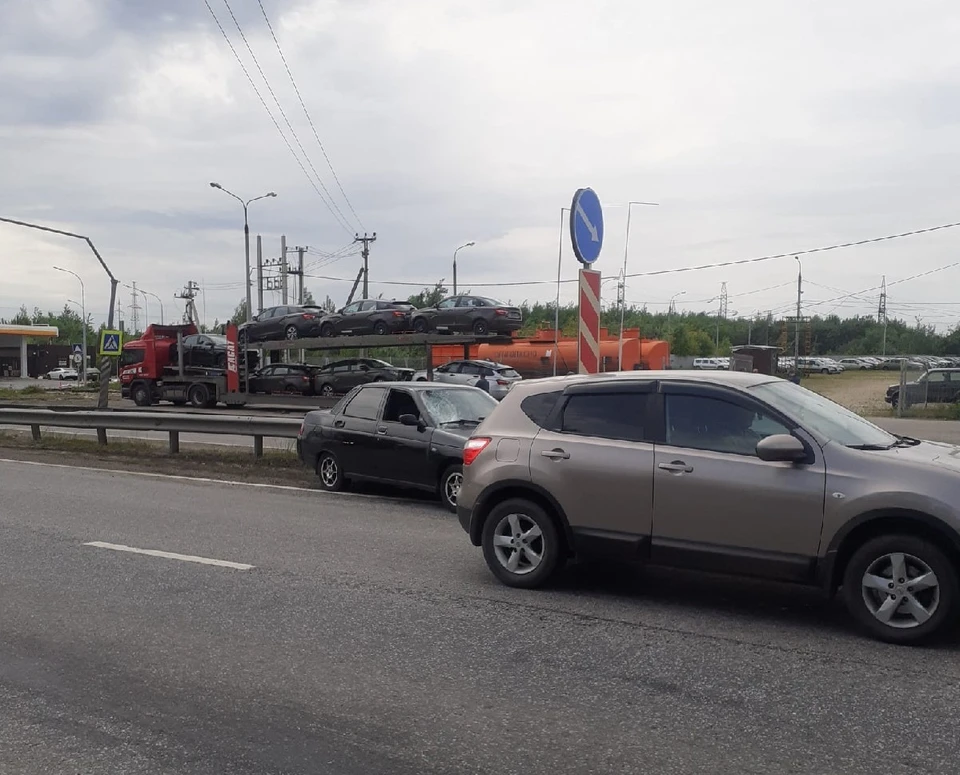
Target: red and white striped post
[588,345]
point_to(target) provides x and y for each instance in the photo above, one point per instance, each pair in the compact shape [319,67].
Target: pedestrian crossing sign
[111,342]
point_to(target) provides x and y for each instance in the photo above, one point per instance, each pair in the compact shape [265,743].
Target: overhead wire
[306,113]
[331,205]
[266,107]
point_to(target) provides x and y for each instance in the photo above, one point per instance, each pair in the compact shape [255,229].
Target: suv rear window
[539,406]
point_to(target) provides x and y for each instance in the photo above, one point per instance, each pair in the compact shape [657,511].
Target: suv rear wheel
[901,589]
[521,544]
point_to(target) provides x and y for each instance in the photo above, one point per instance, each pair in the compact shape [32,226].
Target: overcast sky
[759,126]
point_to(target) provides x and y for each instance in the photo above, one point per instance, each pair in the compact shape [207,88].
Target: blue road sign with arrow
[586,225]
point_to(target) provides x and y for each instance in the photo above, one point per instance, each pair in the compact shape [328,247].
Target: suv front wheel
[901,589]
[521,544]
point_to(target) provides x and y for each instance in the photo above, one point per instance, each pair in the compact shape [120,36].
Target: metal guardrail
[170,423]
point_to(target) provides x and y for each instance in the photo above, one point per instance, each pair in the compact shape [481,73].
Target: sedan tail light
[302,426]
[500,312]
[305,378]
[474,447]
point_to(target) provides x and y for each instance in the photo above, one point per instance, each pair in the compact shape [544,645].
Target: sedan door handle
[676,467]
[555,454]
[382,430]
[338,424]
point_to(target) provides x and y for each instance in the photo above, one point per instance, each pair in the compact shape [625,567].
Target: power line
[307,114]
[331,205]
[792,253]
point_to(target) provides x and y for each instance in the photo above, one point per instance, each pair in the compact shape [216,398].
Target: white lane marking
[171,555]
[209,480]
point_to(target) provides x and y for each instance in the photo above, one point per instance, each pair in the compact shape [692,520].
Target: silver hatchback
[718,471]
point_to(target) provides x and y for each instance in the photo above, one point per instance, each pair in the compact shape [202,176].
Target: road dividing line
[171,555]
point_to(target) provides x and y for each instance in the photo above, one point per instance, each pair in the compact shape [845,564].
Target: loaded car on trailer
[156,367]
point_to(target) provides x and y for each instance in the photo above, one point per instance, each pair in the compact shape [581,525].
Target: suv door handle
[555,454]
[676,467]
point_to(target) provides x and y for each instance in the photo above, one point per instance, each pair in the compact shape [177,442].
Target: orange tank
[534,357]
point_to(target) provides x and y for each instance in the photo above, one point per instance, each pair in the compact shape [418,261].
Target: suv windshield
[822,416]
[458,405]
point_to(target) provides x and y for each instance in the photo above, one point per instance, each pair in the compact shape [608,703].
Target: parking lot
[368,636]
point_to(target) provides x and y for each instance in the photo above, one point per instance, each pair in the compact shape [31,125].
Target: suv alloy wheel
[521,544]
[901,589]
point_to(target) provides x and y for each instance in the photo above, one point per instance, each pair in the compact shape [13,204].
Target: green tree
[240,313]
[428,297]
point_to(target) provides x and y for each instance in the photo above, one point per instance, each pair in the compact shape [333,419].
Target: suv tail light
[302,426]
[502,382]
[399,314]
[308,316]
[305,378]
[474,447]
[500,312]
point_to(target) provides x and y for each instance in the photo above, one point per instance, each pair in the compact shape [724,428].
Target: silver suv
[718,471]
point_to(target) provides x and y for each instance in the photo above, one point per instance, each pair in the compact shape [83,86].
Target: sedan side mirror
[781,448]
[410,419]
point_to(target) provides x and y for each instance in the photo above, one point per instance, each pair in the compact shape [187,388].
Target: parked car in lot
[284,322]
[343,376]
[937,386]
[893,364]
[499,376]
[859,364]
[62,374]
[368,316]
[402,433]
[289,378]
[729,472]
[476,314]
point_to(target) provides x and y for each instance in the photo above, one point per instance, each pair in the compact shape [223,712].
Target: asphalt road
[368,637]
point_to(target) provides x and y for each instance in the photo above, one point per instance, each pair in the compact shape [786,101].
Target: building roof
[40,332]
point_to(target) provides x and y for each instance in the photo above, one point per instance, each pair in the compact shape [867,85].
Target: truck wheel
[141,394]
[198,395]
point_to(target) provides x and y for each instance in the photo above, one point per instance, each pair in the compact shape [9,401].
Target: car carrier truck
[151,370]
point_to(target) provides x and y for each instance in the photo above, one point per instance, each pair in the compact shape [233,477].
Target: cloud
[762,127]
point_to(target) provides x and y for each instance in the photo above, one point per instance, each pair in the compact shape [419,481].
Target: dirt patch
[859,391]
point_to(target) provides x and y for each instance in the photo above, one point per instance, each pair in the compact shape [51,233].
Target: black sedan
[289,378]
[284,322]
[343,376]
[409,434]
[476,314]
[368,316]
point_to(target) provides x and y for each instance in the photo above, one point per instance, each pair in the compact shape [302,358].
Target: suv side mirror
[781,448]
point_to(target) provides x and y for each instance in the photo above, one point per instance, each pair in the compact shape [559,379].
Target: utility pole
[300,252]
[134,309]
[283,269]
[721,313]
[366,240]
[796,341]
[188,294]
[882,312]
[259,274]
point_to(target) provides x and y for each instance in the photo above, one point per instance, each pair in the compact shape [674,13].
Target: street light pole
[148,293]
[465,245]
[246,240]
[623,298]
[796,343]
[83,330]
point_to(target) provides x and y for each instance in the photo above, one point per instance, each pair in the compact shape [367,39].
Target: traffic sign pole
[588,343]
